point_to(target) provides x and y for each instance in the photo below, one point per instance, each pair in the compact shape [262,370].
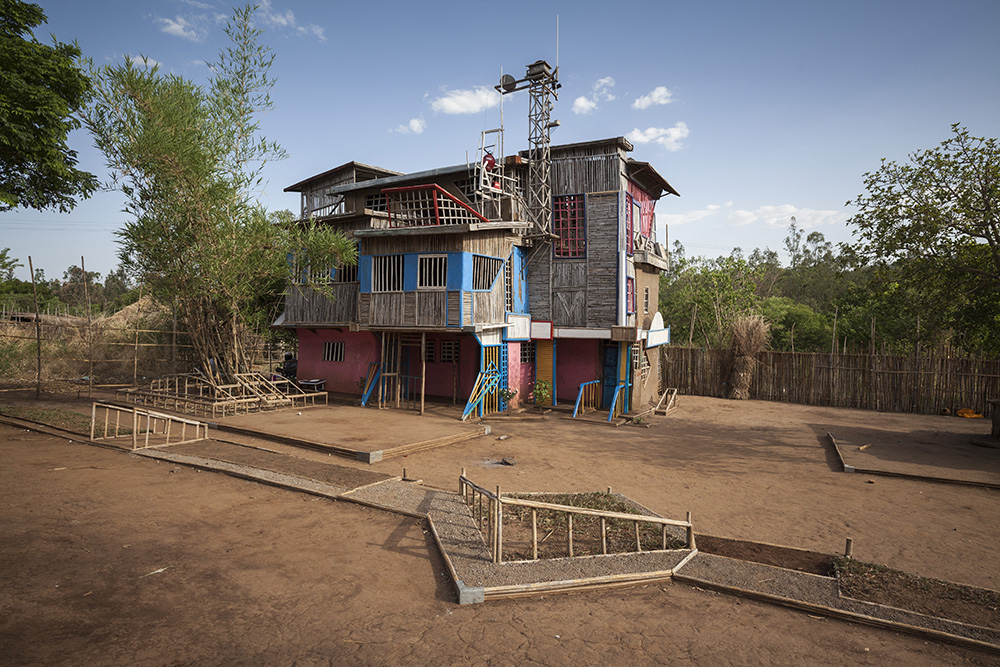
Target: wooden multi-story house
[456,296]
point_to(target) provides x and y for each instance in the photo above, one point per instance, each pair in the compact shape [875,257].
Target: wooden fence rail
[891,383]
[489,519]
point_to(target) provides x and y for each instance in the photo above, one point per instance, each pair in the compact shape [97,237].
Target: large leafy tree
[703,297]
[933,223]
[40,89]
[188,160]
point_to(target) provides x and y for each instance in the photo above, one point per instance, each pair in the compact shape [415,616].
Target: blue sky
[754,111]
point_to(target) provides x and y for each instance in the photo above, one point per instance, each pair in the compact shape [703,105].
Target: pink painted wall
[577,360]
[440,380]
[519,376]
[469,365]
[360,349]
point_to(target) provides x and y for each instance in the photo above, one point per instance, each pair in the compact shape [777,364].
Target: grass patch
[64,419]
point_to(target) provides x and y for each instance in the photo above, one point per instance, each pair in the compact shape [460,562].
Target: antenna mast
[543,85]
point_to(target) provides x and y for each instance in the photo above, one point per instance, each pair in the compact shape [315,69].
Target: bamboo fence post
[690,533]
[604,536]
[849,548]
[663,529]
[38,332]
[93,419]
[638,542]
[423,367]
[499,558]
[534,534]
[461,485]
[135,428]
[90,331]
[569,532]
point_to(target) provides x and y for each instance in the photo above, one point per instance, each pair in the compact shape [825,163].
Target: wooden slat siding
[593,173]
[490,306]
[434,243]
[431,308]
[893,383]
[467,310]
[387,309]
[365,308]
[539,283]
[310,306]
[410,309]
[603,214]
[497,243]
[569,297]
[454,309]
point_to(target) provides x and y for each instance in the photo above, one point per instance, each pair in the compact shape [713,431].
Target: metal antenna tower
[543,84]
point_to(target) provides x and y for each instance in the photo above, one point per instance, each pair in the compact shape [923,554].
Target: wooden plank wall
[893,383]
[310,306]
[569,292]
[573,174]
[602,259]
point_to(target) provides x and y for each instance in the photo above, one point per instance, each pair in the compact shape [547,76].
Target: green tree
[188,160]
[796,326]
[703,296]
[8,265]
[40,89]
[934,223]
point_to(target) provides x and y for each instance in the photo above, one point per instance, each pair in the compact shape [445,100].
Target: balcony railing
[428,205]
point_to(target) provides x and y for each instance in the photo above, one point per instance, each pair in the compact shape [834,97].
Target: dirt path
[751,470]
[112,559]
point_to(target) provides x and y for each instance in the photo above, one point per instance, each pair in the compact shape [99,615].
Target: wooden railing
[486,383]
[141,424]
[588,397]
[426,205]
[487,510]
[617,402]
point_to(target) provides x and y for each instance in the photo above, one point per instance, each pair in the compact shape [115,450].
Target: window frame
[450,351]
[569,224]
[387,278]
[528,352]
[334,350]
[437,268]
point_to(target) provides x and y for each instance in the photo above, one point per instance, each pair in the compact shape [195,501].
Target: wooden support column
[534,534]
[423,367]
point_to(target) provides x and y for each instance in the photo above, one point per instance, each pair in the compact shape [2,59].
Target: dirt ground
[113,559]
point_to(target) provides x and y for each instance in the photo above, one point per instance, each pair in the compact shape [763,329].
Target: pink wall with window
[577,361]
[360,349]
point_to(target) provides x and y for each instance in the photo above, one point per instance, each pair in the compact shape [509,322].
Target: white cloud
[415,126]
[199,5]
[600,92]
[678,219]
[279,19]
[659,96]
[312,29]
[183,28]
[583,105]
[466,101]
[779,216]
[665,137]
[145,61]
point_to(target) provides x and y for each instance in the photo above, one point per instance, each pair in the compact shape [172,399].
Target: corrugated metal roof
[382,173]
[643,171]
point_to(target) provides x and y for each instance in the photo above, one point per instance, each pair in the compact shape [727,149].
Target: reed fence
[926,384]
